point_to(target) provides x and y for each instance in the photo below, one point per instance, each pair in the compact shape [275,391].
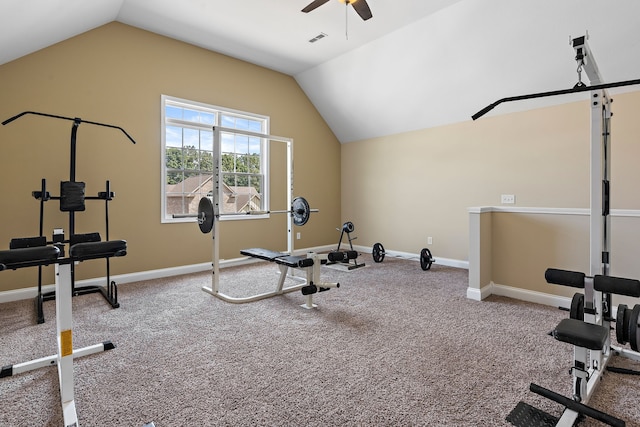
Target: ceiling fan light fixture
[361,7]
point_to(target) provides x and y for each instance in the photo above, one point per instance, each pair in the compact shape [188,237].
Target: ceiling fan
[360,6]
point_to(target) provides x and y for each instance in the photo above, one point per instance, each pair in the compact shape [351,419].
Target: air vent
[318,37]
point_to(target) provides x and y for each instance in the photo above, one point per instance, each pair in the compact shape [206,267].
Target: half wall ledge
[511,247]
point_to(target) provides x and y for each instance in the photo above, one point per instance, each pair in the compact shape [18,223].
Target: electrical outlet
[429,240]
[298,235]
[509,199]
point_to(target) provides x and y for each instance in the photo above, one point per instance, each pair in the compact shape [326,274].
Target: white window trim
[219,110]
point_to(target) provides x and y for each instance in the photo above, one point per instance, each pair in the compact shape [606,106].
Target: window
[188,159]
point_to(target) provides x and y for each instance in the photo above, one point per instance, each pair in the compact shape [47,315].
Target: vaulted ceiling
[415,64]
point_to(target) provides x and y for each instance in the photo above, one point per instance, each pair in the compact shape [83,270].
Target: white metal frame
[595,362]
[215,280]
[66,354]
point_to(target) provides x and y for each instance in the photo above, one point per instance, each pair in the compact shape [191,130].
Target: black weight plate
[425,259]
[205,215]
[577,307]
[622,332]
[300,211]
[378,252]
[634,328]
[348,227]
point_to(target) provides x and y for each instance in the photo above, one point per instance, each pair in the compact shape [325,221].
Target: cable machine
[588,327]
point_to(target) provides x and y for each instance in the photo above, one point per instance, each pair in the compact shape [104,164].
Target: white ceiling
[416,64]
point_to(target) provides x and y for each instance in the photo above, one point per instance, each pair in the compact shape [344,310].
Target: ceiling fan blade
[362,8]
[314,4]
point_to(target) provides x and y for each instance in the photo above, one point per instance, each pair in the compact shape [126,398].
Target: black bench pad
[295,261]
[581,334]
[278,257]
[28,257]
[264,254]
[93,250]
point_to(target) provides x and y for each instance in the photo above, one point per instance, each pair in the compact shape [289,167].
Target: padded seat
[581,334]
[282,258]
[93,250]
[28,257]
[295,261]
[264,254]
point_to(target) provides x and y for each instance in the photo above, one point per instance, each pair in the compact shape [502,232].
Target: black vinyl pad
[264,254]
[93,250]
[565,278]
[28,257]
[295,261]
[278,257]
[581,334]
[617,285]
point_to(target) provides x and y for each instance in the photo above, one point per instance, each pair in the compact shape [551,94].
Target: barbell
[299,210]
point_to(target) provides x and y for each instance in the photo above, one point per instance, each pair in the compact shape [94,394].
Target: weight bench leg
[309,303]
[283,275]
[311,275]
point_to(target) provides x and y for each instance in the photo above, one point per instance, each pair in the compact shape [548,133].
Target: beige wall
[522,245]
[116,74]
[400,189]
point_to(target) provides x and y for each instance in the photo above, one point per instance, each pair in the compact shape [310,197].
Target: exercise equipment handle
[490,107]
[578,407]
[75,119]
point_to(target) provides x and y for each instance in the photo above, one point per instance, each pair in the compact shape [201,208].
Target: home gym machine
[591,314]
[209,214]
[38,252]
[348,228]
[72,199]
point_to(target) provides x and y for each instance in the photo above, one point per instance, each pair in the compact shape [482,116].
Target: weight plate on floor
[634,328]
[300,211]
[577,307]
[205,215]
[348,227]
[378,252]
[425,259]
[622,322]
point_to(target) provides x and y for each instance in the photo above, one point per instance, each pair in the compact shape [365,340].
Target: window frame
[218,113]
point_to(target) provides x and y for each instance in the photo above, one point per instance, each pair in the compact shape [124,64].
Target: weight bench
[310,264]
[13,259]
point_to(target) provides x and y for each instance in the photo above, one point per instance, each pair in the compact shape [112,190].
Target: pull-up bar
[576,89]
[73,119]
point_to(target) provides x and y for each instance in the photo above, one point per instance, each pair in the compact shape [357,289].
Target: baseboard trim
[519,294]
